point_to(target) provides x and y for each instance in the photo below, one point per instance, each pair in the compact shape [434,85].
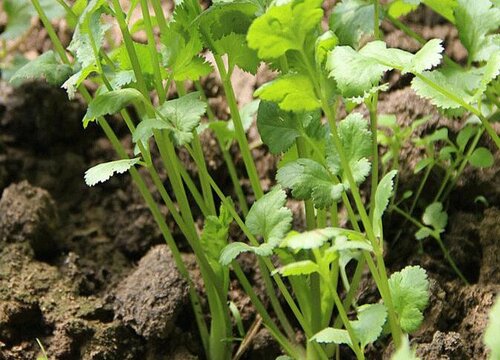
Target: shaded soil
[86,272]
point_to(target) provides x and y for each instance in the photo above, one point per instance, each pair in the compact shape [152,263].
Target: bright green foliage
[310,180]
[382,197]
[46,67]
[284,28]
[491,338]
[373,60]
[269,218]
[110,103]
[143,57]
[367,329]
[293,92]
[477,22]
[279,129]
[356,142]
[214,237]
[324,43]
[435,216]
[184,115]
[410,295]
[310,239]
[102,172]
[445,8]
[404,352]
[352,19]
[238,52]
[304,267]
[482,158]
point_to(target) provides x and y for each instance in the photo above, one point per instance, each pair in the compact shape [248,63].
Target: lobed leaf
[352,19]
[310,239]
[410,295]
[435,216]
[46,67]
[382,197]
[231,251]
[304,267]
[102,172]
[238,52]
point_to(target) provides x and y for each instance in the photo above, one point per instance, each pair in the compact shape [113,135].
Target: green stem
[374,130]
[308,204]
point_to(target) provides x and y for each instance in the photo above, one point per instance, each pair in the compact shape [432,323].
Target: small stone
[150,299]
[28,214]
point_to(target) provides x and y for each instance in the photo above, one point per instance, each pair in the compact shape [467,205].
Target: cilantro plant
[325,159]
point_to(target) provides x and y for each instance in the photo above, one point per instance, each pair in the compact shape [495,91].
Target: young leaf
[102,172]
[491,338]
[238,52]
[231,251]
[332,336]
[309,179]
[435,216]
[46,67]
[279,129]
[184,115]
[404,352]
[482,158]
[304,267]
[382,197]
[269,218]
[356,142]
[284,28]
[478,36]
[215,234]
[110,103]
[410,295]
[352,19]
[309,239]
[293,92]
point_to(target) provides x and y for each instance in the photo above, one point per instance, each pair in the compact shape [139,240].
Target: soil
[85,270]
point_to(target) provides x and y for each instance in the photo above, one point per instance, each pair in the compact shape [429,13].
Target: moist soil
[85,270]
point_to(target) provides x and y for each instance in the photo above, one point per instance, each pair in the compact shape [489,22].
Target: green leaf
[46,67]
[423,233]
[293,92]
[373,60]
[284,28]
[332,336]
[371,319]
[184,115]
[352,19]
[309,179]
[382,197]
[310,239]
[410,295]
[367,329]
[443,7]
[435,216]
[465,135]
[110,103]
[146,127]
[400,8]
[491,338]
[279,129]
[324,44]
[477,21]
[238,52]
[268,217]
[356,142]
[482,158]
[102,172]
[231,251]
[71,85]
[304,267]
[404,352]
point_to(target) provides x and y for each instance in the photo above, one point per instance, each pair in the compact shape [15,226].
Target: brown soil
[82,269]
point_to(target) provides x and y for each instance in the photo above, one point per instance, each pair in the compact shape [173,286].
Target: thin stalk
[160,16]
[203,172]
[421,188]
[198,198]
[376,16]
[374,129]
[438,239]
[308,204]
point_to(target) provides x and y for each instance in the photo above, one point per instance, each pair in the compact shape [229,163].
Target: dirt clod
[444,346]
[150,299]
[29,214]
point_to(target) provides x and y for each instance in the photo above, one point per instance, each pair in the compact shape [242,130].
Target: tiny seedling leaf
[332,336]
[46,67]
[231,251]
[410,295]
[102,172]
[382,197]
[482,158]
[110,103]
[435,216]
[269,217]
[310,239]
